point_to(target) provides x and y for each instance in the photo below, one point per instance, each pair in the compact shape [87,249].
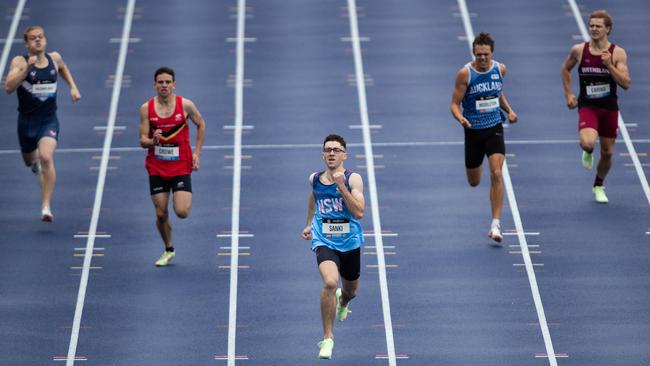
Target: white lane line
[621,124]
[320,146]
[532,279]
[11,35]
[372,184]
[236,180]
[101,179]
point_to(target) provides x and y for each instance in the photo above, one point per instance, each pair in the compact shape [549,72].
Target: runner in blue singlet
[336,205]
[34,76]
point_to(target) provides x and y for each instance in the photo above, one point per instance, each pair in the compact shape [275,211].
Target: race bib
[487,105]
[43,90]
[597,91]
[336,226]
[166,152]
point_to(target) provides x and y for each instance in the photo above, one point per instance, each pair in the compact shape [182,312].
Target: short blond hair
[31,28]
[604,15]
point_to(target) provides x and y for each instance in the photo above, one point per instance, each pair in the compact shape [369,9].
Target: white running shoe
[495,234]
[46,214]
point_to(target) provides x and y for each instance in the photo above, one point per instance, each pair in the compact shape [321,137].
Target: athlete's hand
[339,179]
[571,101]
[306,233]
[606,57]
[74,93]
[464,122]
[157,134]
[31,61]
[512,117]
[196,161]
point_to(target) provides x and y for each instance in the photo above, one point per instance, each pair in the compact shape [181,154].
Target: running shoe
[46,214]
[587,160]
[36,168]
[165,259]
[326,347]
[341,311]
[599,194]
[495,234]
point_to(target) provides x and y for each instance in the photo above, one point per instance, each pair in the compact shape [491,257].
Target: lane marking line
[9,41]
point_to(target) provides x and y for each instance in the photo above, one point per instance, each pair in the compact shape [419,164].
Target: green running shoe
[165,259]
[587,160]
[599,194]
[341,311]
[326,347]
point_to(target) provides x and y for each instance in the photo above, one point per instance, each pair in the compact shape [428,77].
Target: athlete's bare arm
[145,141]
[65,73]
[18,70]
[571,61]
[617,66]
[460,87]
[503,101]
[311,207]
[196,117]
[353,198]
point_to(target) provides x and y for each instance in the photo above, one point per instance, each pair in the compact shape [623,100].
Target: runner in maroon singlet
[165,133]
[602,66]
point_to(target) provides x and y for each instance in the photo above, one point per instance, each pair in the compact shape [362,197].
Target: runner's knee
[330,284]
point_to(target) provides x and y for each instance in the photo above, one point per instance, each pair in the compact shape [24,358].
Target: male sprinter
[164,132]
[335,207]
[602,66]
[34,76]
[478,87]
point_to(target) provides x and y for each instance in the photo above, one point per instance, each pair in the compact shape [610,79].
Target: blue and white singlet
[37,93]
[481,104]
[333,225]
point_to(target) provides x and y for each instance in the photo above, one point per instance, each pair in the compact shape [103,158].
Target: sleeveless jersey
[172,156]
[597,87]
[37,93]
[333,225]
[481,101]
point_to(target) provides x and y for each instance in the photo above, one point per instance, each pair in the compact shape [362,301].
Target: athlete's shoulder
[312,176]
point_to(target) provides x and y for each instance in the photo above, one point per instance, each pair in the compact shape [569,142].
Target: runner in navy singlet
[601,67]
[34,76]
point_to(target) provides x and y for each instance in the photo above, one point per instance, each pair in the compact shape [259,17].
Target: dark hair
[31,28]
[164,70]
[483,39]
[604,15]
[336,138]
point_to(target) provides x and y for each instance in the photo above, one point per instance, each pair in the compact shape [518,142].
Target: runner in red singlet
[165,133]
[602,66]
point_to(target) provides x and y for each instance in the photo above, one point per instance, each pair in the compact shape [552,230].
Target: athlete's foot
[495,234]
[326,347]
[587,160]
[599,194]
[341,311]
[36,168]
[165,258]
[46,214]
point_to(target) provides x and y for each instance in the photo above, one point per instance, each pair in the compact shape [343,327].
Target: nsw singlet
[172,156]
[333,225]
[37,93]
[597,87]
[481,101]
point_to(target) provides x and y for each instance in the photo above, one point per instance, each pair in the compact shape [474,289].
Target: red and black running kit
[172,155]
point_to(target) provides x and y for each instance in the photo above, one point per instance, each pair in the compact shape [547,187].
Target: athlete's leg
[30,158]
[348,291]
[588,137]
[330,274]
[160,202]
[182,203]
[496,184]
[606,154]
[474,176]
[46,147]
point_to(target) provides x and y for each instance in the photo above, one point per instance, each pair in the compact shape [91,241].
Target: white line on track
[99,192]
[319,146]
[532,279]
[372,184]
[9,41]
[621,124]
[236,180]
